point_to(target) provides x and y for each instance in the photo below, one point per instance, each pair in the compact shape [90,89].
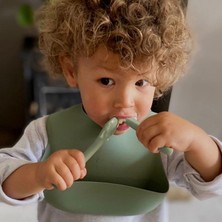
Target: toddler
[121,54]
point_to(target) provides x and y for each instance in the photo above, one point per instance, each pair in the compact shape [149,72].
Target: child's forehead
[104,58]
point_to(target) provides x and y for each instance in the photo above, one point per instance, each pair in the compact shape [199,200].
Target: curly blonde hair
[149,31]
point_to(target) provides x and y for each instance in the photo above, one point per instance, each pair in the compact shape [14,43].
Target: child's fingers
[155,143]
[64,177]
[74,167]
[54,180]
[83,173]
[79,157]
[64,167]
[148,128]
[146,134]
[154,132]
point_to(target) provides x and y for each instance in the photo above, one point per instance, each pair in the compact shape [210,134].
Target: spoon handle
[134,124]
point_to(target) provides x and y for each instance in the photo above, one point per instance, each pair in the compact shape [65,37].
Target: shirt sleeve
[178,170]
[29,149]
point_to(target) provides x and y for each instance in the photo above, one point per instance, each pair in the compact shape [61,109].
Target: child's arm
[60,170]
[167,129]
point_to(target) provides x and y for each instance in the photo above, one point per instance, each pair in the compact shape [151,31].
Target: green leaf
[25,15]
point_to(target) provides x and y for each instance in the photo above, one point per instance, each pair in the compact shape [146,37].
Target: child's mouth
[122,126]
[121,121]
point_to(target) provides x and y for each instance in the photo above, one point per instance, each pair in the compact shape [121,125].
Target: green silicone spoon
[106,132]
[134,123]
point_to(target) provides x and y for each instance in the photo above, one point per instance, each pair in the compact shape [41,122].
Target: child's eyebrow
[147,76]
[144,74]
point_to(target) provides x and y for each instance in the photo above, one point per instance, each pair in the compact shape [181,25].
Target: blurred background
[26,93]
[13,95]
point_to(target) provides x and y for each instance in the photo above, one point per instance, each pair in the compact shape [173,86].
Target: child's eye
[141,82]
[106,81]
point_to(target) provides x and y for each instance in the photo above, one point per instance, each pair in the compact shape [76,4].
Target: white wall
[198,96]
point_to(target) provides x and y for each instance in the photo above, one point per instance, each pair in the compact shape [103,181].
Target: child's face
[108,90]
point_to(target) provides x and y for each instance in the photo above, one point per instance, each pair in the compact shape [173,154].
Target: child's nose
[124,99]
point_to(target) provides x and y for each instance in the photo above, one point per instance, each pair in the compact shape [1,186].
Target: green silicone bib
[123,177]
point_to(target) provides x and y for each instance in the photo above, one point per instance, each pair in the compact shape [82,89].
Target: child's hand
[61,169]
[167,129]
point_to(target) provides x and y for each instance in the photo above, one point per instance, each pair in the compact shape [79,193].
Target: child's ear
[68,71]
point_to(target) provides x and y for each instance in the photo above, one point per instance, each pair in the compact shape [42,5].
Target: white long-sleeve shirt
[31,147]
